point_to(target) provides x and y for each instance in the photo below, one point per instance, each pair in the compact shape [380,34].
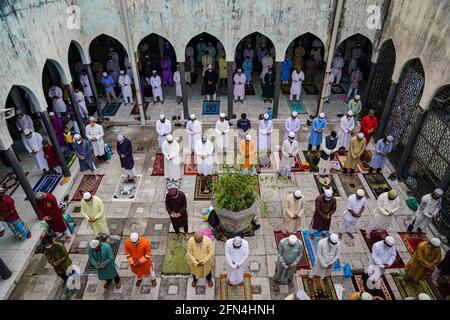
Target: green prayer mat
[351,183]
[313,158]
[295,105]
[411,289]
[238,292]
[175,259]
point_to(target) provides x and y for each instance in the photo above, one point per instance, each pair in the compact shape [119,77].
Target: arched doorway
[405,107]
[381,81]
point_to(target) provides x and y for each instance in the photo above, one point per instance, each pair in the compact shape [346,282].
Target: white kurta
[163,130]
[428,209]
[325,258]
[194,132]
[155,82]
[96,132]
[24,123]
[382,217]
[265,135]
[354,204]
[58,104]
[222,129]
[239,85]
[125,84]
[205,160]
[345,131]
[287,148]
[236,261]
[79,96]
[84,81]
[294,210]
[291,125]
[177,80]
[296,86]
[381,255]
[172,162]
[34,143]
[267,62]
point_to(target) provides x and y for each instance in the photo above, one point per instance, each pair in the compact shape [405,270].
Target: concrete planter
[237,222]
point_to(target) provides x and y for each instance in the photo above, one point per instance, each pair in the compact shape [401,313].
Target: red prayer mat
[412,240]
[89,183]
[190,166]
[304,264]
[158,166]
[135,109]
[249,91]
[298,164]
[385,291]
[378,236]
[364,160]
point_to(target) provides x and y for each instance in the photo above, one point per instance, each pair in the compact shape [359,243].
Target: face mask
[79,141]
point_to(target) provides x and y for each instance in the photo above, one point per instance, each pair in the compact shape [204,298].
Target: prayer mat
[412,240]
[310,89]
[249,90]
[385,291]
[318,289]
[135,109]
[285,89]
[115,244]
[295,105]
[239,292]
[303,264]
[298,164]
[321,186]
[91,108]
[190,166]
[342,98]
[158,165]
[337,89]
[89,183]
[341,158]
[378,236]
[126,191]
[411,289]
[313,158]
[211,107]
[69,157]
[265,163]
[176,262]
[110,109]
[441,290]
[350,183]
[10,183]
[377,183]
[364,160]
[311,247]
[203,187]
[47,183]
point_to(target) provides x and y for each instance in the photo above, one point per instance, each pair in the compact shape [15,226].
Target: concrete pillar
[230,87]
[184,91]
[76,109]
[276,93]
[51,133]
[17,168]
[410,144]
[386,111]
[94,91]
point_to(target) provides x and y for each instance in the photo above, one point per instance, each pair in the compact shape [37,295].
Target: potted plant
[235,200]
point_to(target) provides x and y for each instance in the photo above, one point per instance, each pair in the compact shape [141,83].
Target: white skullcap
[423,296]
[239,70]
[248,137]
[237,241]
[105,74]
[390,138]
[366,296]
[169,137]
[222,115]
[292,239]
[26,132]
[439,192]
[94,243]
[120,138]
[291,134]
[122,72]
[266,116]
[134,237]
[361,135]
[87,195]
[357,97]
[51,113]
[435,242]
[322,115]
[39,195]
[77,137]
[294,113]
[192,116]
[350,113]
[389,240]
[161,116]
[328,193]
[154,71]
[209,66]
[298,194]
[301,295]
[92,119]
[334,238]
[360,192]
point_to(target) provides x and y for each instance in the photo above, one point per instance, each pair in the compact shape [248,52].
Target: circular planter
[237,222]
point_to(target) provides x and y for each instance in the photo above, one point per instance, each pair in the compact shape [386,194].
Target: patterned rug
[190,167]
[322,186]
[203,187]
[135,109]
[211,107]
[110,109]
[412,240]
[385,291]
[115,244]
[298,164]
[311,247]
[239,292]
[47,183]
[175,259]
[408,289]
[342,158]
[249,90]
[295,105]
[69,157]
[350,183]
[337,89]
[304,264]
[318,289]
[378,236]
[364,160]
[313,158]
[377,183]
[310,89]
[89,183]
[10,182]
[158,165]
[126,191]
[285,89]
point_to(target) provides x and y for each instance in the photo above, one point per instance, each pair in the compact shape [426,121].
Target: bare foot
[340,236]
[291,284]
[176,237]
[29,235]
[186,236]
[351,235]
[274,284]
[210,283]
[153,283]
[194,283]
[106,285]
[138,282]
[118,285]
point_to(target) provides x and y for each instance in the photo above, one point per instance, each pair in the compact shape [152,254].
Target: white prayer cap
[222,115]
[298,194]
[390,241]
[357,97]
[301,295]
[360,192]
[154,71]
[360,135]
[423,296]
[87,195]
[239,70]
[294,113]
[169,138]
[266,116]
[26,132]
[161,117]
[51,113]
[322,115]
[192,116]
[328,193]
[237,241]
[94,243]
[350,113]
[439,192]
[134,237]
[366,296]
[209,66]
[120,138]
[105,74]
[334,238]
[435,242]
[122,71]
[292,239]
[292,134]
[390,138]
[39,195]
[92,119]
[77,137]
[248,137]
